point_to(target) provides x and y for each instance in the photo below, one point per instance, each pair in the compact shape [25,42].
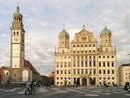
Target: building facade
[20,70]
[124,71]
[84,63]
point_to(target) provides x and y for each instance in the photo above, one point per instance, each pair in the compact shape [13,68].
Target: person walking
[32,87]
[27,88]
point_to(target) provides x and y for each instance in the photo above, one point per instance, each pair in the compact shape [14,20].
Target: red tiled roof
[44,77]
[28,64]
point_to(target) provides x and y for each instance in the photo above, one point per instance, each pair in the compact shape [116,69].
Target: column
[88,81]
[80,81]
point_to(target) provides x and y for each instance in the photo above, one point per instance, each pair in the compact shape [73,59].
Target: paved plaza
[67,92]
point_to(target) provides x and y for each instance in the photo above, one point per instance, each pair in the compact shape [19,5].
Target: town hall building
[84,63]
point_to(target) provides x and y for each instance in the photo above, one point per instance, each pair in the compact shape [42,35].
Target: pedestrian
[27,88]
[32,87]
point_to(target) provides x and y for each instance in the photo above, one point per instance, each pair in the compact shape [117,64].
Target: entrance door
[84,82]
[65,83]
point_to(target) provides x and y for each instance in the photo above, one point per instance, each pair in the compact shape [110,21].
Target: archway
[25,75]
[84,82]
[78,82]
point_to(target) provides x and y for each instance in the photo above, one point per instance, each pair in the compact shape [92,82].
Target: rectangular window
[94,71]
[65,72]
[82,71]
[61,72]
[65,64]
[103,64]
[78,63]
[73,45]
[74,71]
[93,45]
[103,56]
[99,64]
[90,64]
[86,64]
[61,64]
[57,72]
[108,72]
[112,71]
[85,45]
[68,71]
[90,72]
[57,64]
[99,71]
[78,71]
[94,64]
[112,64]
[108,64]
[104,72]
[81,45]
[69,64]
[89,45]
[82,63]
[86,71]
[74,63]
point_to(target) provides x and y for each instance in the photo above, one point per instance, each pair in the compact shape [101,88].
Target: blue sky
[44,20]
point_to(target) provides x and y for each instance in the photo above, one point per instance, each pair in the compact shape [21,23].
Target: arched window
[17,18]
[14,33]
[17,33]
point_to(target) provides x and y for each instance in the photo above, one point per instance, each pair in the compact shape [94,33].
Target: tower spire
[83,26]
[105,24]
[63,26]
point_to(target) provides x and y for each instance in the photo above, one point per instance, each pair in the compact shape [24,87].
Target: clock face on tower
[16,39]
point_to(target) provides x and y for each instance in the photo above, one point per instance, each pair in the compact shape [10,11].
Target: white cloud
[3,35]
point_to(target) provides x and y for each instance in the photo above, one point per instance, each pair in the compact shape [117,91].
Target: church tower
[105,40]
[63,41]
[17,40]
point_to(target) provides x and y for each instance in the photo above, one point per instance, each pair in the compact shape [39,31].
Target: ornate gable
[84,36]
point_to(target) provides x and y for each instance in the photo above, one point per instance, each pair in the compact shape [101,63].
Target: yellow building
[124,71]
[84,63]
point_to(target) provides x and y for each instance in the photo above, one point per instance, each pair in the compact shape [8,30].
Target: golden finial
[17,2]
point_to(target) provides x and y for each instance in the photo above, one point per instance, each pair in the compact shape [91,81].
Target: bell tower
[63,41]
[105,40]
[17,40]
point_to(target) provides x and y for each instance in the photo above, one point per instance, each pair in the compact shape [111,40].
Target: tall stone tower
[17,40]
[63,41]
[105,40]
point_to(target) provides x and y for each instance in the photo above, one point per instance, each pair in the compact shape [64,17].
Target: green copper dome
[17,12]
[105,31]
[63,33]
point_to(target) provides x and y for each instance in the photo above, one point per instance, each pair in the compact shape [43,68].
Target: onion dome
[63,33]
[17,12]
[105,31]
